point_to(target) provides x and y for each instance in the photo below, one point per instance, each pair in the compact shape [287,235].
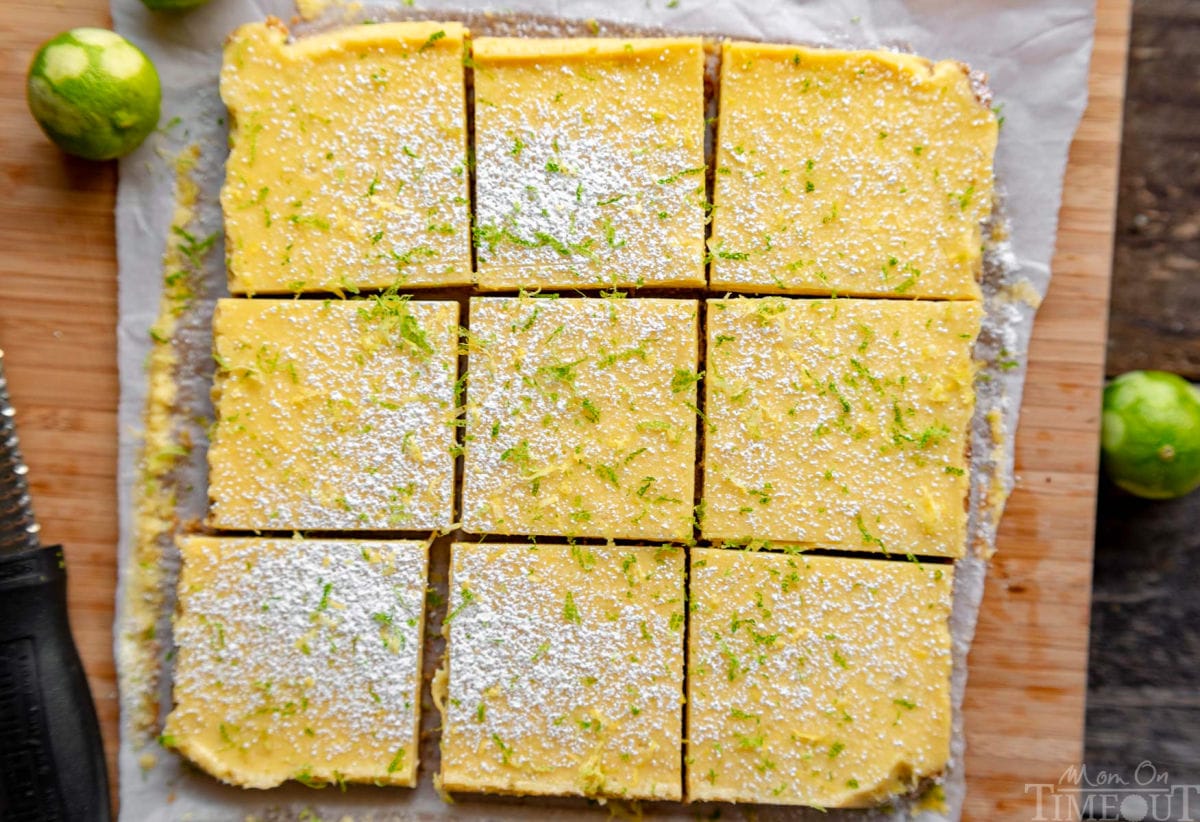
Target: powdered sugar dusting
[581,417]
[815,680]
[564,670]
[839,422]
[590,169]
[348,167]
[299,659]
[328,417]
[849,173]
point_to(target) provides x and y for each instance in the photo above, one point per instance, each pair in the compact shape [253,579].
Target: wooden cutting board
[1025,697]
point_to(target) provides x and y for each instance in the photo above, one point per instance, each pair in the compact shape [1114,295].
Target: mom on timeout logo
[1141,796]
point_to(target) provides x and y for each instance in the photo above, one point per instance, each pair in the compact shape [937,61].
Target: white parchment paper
[1035,54]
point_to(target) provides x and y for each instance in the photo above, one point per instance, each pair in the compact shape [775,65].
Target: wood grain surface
[1027,668]
[1025,697]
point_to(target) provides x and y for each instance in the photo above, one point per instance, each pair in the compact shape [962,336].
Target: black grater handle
[51,758]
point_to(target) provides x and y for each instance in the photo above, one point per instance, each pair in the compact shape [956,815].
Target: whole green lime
[95,94]
[1150,434]
[172,5]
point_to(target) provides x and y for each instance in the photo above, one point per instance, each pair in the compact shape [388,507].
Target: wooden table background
[1025,698]
[1145,648]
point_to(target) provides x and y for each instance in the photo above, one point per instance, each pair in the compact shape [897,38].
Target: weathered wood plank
[1156,275]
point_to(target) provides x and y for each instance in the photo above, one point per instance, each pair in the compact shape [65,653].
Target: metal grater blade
[18,528]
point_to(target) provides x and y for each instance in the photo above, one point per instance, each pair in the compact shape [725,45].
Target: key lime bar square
[839,423]
[849,172]
[333,415]
[348,166]
[299,659]
[581,417]
[815,680]
[590,168]
[564,671]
